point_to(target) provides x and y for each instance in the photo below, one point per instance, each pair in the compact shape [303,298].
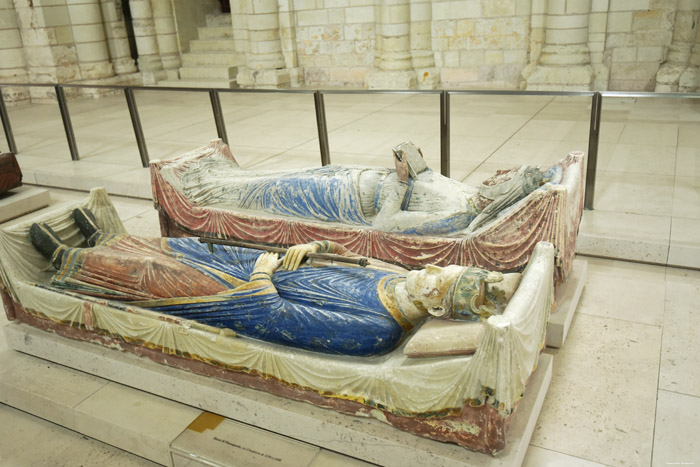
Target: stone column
[393,66]
[149,61]
[564,63]
[166,34]
[90,40]
[13,66]
[117,40]
[47,40]
[265,65]
[423,58]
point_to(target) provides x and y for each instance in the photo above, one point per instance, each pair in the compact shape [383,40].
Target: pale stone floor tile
[681,338]
[662,134]
[634,193]
[538,457]
[145,224]
[688,135]
[517,152]
[685,243]
[28,440]
[646,159]
[541,129]
[688,162]
[624,236]
[686,197]
[116,408]
[632,292]
[676,440]
[601,402]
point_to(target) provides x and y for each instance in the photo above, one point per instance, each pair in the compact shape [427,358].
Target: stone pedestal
[161,391]
[386,79]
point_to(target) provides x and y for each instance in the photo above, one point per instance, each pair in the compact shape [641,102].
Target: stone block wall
[481,43]
[334,40]
[638,33]
[637,45]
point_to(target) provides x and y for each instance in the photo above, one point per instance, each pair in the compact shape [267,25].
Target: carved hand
[267,263]
[402,167]
[295,255]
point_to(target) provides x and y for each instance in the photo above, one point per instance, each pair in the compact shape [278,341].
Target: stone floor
[626,387]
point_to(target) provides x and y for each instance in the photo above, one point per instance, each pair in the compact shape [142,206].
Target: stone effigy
[411,215]
[10,173]
[467,396]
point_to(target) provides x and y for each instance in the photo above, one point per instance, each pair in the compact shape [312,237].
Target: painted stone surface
[465,399]
[10,173]
[430,219]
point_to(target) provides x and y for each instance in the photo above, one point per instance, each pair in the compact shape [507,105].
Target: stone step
[212,58]
[215,32]
[199,83]
[212,45]
[209,72]
[219,19]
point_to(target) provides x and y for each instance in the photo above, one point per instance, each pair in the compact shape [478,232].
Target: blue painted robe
[337,310]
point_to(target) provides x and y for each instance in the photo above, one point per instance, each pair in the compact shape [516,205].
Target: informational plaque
[213,440]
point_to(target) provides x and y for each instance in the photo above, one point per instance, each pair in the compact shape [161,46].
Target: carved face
[426,287]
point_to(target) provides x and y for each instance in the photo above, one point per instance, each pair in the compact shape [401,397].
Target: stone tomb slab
[366,439]
[22,200]
[567,298]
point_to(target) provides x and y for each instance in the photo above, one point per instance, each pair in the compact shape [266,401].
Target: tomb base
[22,200]
[32,385]
[567,296]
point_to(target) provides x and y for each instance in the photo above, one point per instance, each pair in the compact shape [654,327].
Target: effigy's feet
[47,242]
[85,220]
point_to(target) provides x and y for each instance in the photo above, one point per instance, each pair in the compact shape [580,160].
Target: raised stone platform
[22,200]
[146,408]
[566,301]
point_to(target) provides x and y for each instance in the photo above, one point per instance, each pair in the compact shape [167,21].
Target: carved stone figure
[332,309]
[10,173]
[411,215]
[468,393]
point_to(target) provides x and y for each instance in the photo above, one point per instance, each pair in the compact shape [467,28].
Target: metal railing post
[11,145]
[592,162]
[322,128]
[218,115]
[136,122]
[67,125]
[445,133]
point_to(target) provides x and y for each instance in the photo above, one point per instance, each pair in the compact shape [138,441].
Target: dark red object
[10,173]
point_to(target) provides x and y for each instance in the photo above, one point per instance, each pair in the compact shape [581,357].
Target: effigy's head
[428,286]
[468,297]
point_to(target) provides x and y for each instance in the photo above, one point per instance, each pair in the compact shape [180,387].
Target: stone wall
[638,45]
[508,44]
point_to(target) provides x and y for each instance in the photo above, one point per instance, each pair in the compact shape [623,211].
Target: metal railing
[214,93]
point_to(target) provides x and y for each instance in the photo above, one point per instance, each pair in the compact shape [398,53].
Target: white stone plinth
[567,297]
[558,78]
[22,200]
[366,439]
[386,79]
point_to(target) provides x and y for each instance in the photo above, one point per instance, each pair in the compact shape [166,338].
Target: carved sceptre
[275,249]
